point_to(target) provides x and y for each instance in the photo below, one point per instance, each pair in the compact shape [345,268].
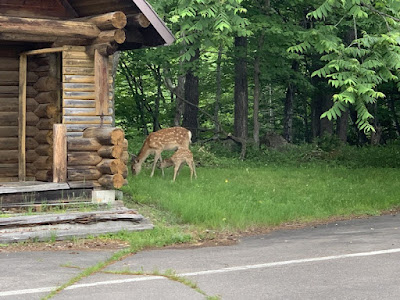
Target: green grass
[241,197]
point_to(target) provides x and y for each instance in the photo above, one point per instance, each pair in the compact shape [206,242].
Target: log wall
[46,107]
[99,156]
[89,158]
[9,79]
[79,106]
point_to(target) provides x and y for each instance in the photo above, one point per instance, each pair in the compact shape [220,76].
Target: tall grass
[246,195]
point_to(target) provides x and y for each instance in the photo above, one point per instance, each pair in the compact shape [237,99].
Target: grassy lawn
[243,197]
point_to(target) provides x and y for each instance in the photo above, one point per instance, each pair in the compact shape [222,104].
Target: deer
[177,159]
[156,142]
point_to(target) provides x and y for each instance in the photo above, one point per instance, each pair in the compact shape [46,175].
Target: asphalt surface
[357,259]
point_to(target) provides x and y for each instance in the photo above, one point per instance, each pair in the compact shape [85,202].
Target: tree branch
[379,12]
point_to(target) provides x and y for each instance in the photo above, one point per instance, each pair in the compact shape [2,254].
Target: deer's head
[135,166]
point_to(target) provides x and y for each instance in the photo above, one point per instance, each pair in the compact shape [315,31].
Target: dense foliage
[314,68]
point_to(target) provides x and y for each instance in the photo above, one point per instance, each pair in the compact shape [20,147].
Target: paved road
[358,259]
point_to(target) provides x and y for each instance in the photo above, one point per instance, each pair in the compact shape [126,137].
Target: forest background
[308,70]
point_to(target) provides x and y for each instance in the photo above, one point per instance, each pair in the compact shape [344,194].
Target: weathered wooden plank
[86,120]
[60,153]
[76,217]
[79,95]
[8,179]
[78,79]
[83,111]
[9,170]
[9,156]
[81,127]
[102,90]
[33,187]
[67,231]
[78,70]
[8,131]
[11,143]
[86,63]
[9,104]
[83,96]
[22,117]
[7,77]
[8,143]
[9,118]
[72,134]
[67,103]
[78,87]
[9,64]
[12,91]
[44,51]
[82,79]
[71,55]
[74,48]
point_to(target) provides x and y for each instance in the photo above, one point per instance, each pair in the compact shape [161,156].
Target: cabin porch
[33,194]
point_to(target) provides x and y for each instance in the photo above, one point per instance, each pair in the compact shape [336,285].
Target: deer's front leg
[156,158]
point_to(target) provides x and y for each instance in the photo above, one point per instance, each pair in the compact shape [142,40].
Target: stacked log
[98,157]
[47,112]
[9,105]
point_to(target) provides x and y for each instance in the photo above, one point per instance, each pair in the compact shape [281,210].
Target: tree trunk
[135,95]
[180,94]
[288,107]
[217,128]
[192,97]
[241,92]
[342,126]
[307,135]
[271,112]
[288,114]
[326,125]
[394,114]
[362,138]
[157,75]
[257,93]
[316,112]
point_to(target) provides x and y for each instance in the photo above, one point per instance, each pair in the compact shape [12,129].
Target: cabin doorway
[40,107]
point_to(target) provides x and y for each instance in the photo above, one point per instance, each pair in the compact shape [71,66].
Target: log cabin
[56,91]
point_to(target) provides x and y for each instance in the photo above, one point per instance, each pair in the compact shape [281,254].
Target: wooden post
[60,153]
[22,118]
[101,83]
